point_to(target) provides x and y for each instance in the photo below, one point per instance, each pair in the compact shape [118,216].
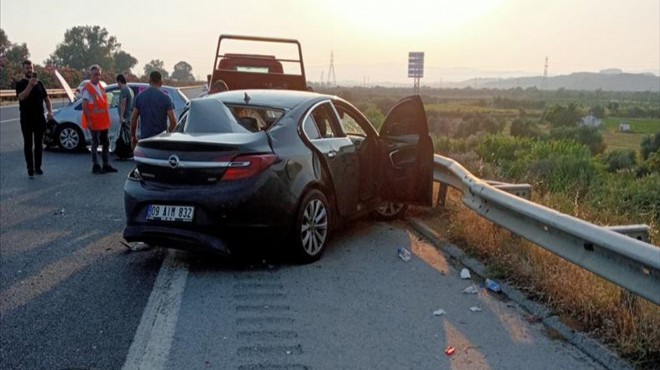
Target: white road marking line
[153,339]
[10,120]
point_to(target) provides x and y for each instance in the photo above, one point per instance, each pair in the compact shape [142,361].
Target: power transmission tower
[544,83]
[331,71]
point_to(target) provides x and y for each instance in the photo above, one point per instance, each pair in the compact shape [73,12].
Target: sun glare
[402,18]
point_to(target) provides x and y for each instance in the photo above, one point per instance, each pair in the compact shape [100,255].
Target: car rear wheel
[312,227]
[70,137]
[390,210]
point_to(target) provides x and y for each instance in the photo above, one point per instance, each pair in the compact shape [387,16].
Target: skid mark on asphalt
[264,326]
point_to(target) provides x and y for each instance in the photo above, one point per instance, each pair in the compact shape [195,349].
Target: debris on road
[465,274]
[475,309]
[59,212]
[404,254]
[439,312]
[450,351]
[493,286]
[471,290]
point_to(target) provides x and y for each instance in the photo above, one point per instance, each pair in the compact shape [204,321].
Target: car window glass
[349,123]
[323,118]
[255,118]
[113,98]
[309,127]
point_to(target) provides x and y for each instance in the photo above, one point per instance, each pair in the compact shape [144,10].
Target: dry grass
[583,300]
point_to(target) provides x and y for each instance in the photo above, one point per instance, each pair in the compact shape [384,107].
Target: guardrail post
[442,195]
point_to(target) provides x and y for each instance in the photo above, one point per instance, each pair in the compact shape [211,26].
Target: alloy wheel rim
[389,208]
[314,228]
[69,138]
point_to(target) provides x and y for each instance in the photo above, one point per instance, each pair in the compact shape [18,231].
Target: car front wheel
[312,227]
[70,137]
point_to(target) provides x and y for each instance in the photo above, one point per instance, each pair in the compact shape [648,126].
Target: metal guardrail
[11,94]
[625,261]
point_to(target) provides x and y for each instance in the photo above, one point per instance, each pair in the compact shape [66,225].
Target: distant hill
[607,80]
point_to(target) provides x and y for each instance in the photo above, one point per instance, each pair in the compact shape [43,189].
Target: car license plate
[160,212]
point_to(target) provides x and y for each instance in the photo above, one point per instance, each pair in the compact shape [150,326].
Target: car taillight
[137,152]
[245,166]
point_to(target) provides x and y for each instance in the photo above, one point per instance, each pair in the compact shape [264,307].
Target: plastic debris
[450,351]
[59,212]
[465,274]
[404,254]
[439,312]
[470,290]
[475,309]
[493,286]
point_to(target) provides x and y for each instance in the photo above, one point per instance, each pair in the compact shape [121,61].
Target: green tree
[182,72]
[598,111]
[17,53]
[4,42]
[11,57]
[84,46]
[124,61]
[563,116]
[156,65]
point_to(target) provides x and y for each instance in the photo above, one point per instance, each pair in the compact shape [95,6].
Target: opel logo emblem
[173,160]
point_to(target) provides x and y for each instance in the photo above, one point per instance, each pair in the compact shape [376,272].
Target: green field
[640,127]
[637,125]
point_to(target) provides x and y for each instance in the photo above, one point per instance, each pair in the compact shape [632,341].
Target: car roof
[142,84]
[287,99]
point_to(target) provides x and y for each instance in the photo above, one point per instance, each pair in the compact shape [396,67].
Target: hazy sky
[370,39]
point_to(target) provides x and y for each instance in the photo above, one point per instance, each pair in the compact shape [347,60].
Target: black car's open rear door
[406,155]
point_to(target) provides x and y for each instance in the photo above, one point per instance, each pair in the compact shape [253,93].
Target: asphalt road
[73,297]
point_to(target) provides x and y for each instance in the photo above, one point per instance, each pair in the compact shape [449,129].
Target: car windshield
[209,116]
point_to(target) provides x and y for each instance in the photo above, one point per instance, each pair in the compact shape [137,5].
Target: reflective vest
[99,113]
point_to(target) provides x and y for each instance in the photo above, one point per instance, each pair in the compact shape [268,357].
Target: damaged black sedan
[285,165]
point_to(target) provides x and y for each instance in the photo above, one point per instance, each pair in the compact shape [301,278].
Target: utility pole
[544,83]
[331,71]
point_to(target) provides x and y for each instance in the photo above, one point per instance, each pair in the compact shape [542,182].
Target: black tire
[70,138]
[387,211]
[311,229]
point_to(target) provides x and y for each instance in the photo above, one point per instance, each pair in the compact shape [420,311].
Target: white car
[66,129]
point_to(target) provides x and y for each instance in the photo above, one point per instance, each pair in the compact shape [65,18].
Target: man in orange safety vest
[96,117]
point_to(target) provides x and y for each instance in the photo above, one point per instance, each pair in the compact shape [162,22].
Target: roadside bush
[650,166]
[477,123]
[521,127]
[447,146]
[374,115]
[650,144]
[589,136]
[618,160]
[627,194]
[503,150]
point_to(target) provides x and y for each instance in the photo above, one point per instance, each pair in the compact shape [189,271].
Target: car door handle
[332,154]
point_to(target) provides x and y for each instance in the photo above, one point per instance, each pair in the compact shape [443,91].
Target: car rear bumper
[225,215]
[175,238]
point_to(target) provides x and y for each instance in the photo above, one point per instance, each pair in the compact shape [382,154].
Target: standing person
[125,110]
[96,116]
[32,95]
[154,108]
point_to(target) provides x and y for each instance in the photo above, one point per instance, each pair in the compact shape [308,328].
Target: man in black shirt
[31,96]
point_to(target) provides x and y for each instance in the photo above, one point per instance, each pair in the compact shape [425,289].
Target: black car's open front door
[406,155]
